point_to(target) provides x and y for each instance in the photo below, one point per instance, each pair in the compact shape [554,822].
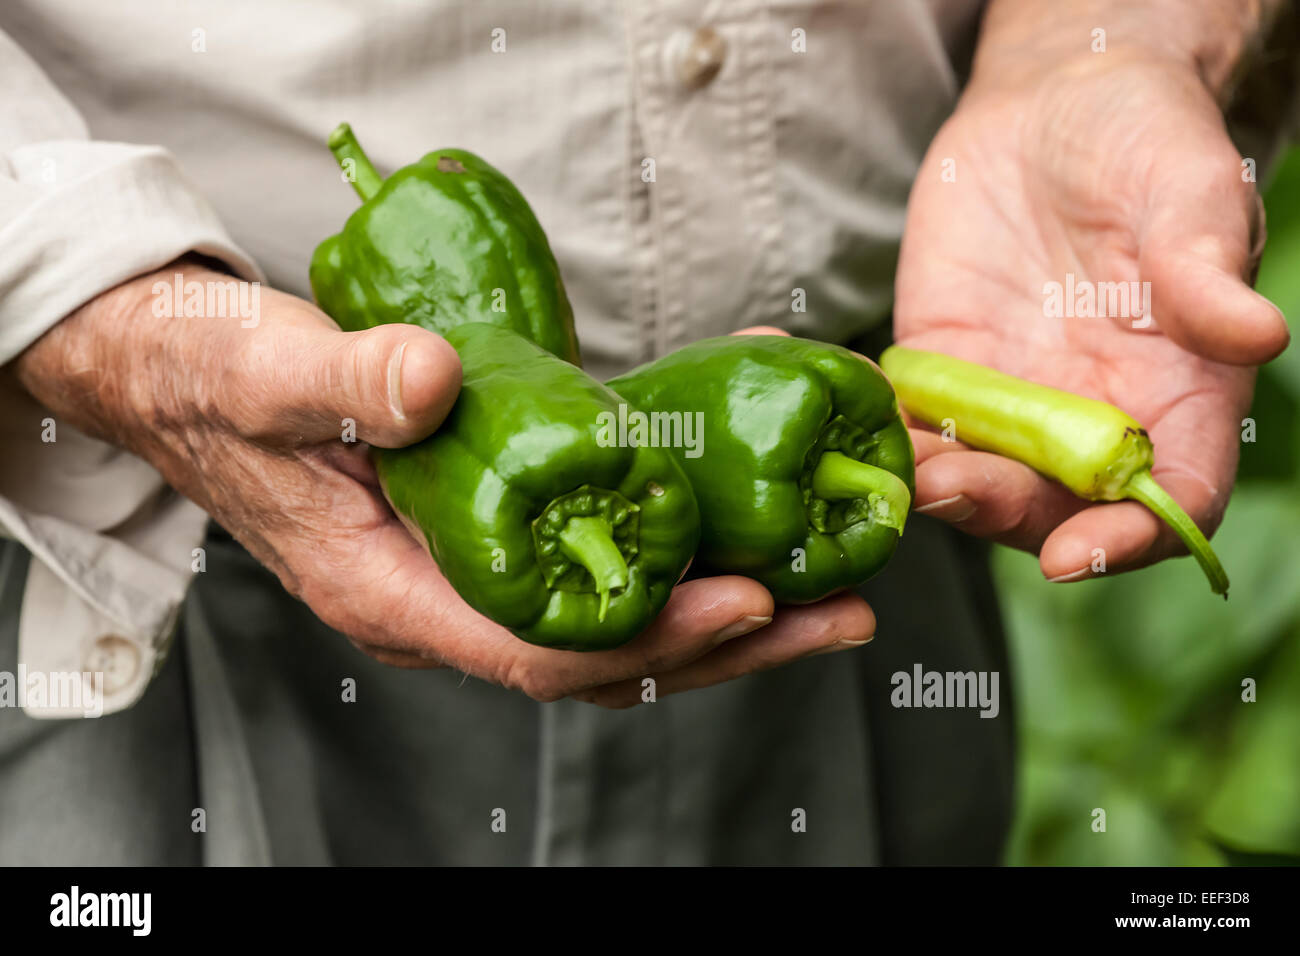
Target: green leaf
[1257,806]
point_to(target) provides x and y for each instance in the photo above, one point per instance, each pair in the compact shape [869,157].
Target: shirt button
[116,658]
[694,58]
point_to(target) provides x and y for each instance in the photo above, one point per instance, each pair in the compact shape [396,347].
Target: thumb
[396,382]
[1202,245]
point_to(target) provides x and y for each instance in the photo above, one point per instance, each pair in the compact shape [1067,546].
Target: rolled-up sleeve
[113,546]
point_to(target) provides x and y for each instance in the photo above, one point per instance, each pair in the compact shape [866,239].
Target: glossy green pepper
[444,241]
[538,521]
[805,471]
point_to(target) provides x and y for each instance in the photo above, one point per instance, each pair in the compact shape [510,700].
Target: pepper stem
[1143,487]
[590,543]
[837,476]
[343,144]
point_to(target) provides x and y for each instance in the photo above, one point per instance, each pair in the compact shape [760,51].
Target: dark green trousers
[247,721]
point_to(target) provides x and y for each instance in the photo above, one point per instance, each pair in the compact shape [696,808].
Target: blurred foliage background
[1130,688]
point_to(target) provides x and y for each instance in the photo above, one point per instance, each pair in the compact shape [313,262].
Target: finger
[992,497]
[1196,448]
[838,623]
[398,658]
[396,382]
[701,615]
[397,600]
[1124,536]
[761,330]
[379,586]
[1199,250]
[926,443]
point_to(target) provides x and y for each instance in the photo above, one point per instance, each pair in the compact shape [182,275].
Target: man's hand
[1109,167]
[249,423]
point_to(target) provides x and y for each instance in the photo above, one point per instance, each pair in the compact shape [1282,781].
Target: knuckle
[366,363]
[1015,518]
[826,629]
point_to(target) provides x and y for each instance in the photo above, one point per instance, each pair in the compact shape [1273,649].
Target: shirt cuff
[88,217]
[98,613]
[112,545]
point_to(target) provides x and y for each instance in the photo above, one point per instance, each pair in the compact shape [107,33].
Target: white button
[117,658]
[695,57]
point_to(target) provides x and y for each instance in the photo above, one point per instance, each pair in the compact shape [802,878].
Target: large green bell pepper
[539,522]
[444,241]
[805,474]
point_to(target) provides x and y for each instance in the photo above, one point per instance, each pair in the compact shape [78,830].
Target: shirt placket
[705,112]
[702,233]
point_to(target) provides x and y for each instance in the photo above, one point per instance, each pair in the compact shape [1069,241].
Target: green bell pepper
[805,474]
[444,241]
[568,540]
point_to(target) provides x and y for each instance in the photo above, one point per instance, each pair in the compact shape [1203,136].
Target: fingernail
[956,508]
[1079,575]
[745,625]
[395,383]
[841,645]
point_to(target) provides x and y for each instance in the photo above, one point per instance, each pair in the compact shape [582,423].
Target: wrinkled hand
[1114,168]
[249,423]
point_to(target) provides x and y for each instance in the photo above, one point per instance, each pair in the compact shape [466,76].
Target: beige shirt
[698,166]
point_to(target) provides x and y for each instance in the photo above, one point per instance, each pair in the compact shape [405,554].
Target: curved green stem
[343,144]
[838,476]
[590,542]
[1142,487]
